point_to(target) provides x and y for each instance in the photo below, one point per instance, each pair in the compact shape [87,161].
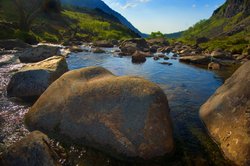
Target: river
[187,87]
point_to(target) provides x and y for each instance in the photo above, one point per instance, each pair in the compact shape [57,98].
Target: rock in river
[122,116]
[39,53]
[129,47]
[227,116]
[199,59]
[139,57]
[33,79]
[98,50]
[33,150]
[214,66]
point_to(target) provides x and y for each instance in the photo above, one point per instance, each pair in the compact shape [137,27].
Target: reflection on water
[187,88]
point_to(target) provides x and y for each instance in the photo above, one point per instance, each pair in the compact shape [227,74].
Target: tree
[156,35]
[27,10]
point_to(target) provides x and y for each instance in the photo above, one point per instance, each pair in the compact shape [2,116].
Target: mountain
[57,23]
[232,8]
[93,4]
[228,28]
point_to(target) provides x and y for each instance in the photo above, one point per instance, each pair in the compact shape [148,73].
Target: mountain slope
[93,4]
[228,28]
[68,24]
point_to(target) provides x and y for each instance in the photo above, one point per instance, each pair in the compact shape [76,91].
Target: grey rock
[39,53]
[33,79]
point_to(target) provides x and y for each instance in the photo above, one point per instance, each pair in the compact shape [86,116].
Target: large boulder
[122,116]
[227,116]
[11,44]
[33,150]
[39,53]
[33,79]
[129,47]
[199,59]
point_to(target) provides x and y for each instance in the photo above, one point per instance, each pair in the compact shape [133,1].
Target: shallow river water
[187,88]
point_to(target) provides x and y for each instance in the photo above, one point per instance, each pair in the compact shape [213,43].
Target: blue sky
[166,16]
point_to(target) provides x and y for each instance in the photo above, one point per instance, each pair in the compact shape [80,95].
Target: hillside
[228,28]
[70,23]
[99,4]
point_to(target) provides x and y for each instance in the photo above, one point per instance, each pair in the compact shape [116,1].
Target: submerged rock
[33,79]
[166,63]
[39,53]
[227,116]
[123,116]
[33,150]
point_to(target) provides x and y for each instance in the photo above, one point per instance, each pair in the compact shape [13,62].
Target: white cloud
[128,4]
[194,6]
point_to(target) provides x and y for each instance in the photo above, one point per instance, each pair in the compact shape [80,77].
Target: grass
[222,32]
[81,24]
[235,44]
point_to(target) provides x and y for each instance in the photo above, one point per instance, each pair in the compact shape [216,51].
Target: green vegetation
[60,25]
[226,29]
[235,44]
[158,34]
[87,25]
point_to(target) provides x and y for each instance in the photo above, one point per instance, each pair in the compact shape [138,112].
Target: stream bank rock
[39,53]
[33,150]
[123,116]
[227,116]
[33,79]
[11,44]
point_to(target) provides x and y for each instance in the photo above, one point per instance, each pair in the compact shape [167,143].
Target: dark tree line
[28,10]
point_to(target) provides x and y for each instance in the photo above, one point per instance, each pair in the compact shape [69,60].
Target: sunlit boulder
[226,115]
[122,116]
